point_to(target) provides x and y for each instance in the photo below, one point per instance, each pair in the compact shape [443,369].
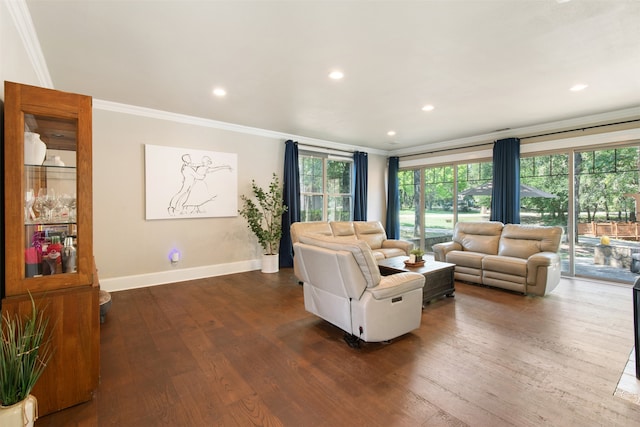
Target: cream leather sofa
[342,285]
[371,232]
[516,257]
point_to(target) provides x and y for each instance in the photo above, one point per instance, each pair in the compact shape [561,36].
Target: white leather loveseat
[516,257]
[342,284]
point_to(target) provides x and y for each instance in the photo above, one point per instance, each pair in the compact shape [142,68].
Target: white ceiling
[484,65]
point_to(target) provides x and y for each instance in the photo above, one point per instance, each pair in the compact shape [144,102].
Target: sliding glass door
[410,191]
[544,196]
[439,204]
[433,199]
[474,191]
[606,204]
[594,195]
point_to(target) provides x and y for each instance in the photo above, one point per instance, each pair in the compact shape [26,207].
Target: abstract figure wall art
[190,183]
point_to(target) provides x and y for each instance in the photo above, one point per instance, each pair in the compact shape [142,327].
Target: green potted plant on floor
[264,218]
[24,354]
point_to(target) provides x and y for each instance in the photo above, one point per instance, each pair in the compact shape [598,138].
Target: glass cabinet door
[48,231]
[50,196]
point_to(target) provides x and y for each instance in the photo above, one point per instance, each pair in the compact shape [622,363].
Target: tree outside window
[325,188]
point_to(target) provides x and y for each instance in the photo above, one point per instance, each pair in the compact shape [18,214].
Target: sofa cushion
[371,232]
[480,237]
[466,259]
[389,252]
[506,265]
[342,228]
[360,250]
[522,241]
[315,227]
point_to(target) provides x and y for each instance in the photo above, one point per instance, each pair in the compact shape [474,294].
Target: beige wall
[131,251]
[125,243]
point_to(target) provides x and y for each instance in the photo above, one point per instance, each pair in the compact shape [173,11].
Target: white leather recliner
[371,232]
[342,284]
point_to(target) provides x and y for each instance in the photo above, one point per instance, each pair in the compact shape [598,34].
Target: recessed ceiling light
[428,108]
[336,75]
[219,92]
[578,87]
[391,133]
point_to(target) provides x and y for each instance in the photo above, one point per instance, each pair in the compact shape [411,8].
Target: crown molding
[576,123]
[117,107]
[24,25]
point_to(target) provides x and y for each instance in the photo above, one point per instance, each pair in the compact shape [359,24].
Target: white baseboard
[114,284]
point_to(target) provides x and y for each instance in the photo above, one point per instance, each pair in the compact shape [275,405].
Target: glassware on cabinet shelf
[29,200]
[38,205]
[48,207]
[49,202]
[68,204]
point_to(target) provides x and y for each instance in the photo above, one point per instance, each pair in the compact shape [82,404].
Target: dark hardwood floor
[240,350]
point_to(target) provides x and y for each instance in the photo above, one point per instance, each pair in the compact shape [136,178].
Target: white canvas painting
[187,183]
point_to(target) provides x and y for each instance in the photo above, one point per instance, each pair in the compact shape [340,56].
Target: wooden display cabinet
[48,235]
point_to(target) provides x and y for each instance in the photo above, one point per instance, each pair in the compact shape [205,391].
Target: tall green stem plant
[265,217]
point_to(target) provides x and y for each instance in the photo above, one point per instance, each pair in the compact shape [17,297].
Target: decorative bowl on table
[414,264]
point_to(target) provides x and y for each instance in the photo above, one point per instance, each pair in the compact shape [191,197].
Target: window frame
[325,194]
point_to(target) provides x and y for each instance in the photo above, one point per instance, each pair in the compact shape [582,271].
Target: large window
[593,194]
[430,204]
[544,195]
[607,233]
[544,189]
[438,204]
[409,191]
[325,188]
[474,191]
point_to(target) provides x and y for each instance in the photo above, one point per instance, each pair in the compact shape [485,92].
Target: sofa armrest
[397,285]
[543,271]
[400,244]
[440,250]
[542,259]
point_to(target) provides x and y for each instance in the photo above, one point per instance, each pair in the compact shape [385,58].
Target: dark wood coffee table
[438,275]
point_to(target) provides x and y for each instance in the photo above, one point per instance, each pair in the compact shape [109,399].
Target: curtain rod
[524,137]
[446,149]
[325,148]
[582,129]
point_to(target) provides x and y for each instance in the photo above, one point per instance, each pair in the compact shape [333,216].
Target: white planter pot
[22,414]
[270,263]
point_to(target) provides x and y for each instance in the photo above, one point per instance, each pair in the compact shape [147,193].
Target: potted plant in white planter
[264,217]
[24,353]
[415,257]
[418,253]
